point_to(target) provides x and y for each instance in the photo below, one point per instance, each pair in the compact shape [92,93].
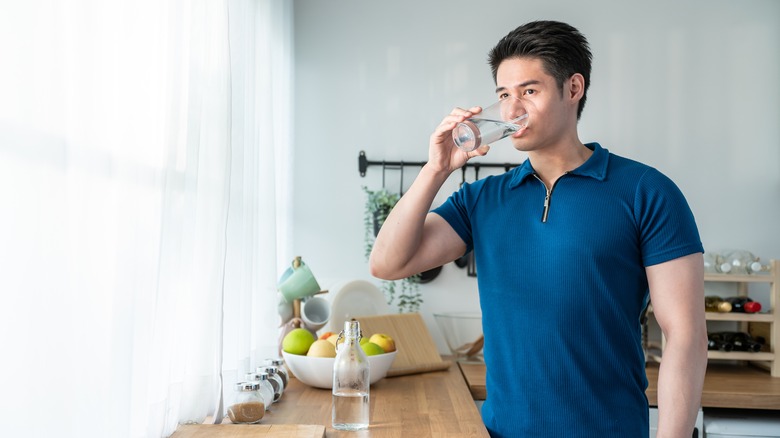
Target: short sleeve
[666,223]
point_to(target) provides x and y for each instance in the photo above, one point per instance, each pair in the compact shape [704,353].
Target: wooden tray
[417,352]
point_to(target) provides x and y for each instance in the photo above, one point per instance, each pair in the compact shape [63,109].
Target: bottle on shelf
[715,263]
[742,262]
[743,305]
[716,342]
[740,341]
[350,381]
[713,303]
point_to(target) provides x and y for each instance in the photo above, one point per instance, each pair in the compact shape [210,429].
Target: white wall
[692,88]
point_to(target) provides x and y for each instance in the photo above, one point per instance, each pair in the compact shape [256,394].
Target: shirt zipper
[548,195]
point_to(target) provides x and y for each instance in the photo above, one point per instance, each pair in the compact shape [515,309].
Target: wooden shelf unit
[766,323]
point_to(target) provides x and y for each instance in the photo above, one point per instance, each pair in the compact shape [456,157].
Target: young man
[567,245]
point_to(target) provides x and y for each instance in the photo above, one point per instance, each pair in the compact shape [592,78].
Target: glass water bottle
[350,381]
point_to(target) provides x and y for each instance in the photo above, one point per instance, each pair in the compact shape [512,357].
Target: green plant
[405,293]
[378,206]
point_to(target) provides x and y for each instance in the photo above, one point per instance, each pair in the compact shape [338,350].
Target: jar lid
[247,386]
[256,376]
[268,369]
[275,361]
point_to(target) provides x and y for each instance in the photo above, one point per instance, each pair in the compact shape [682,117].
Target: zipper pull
[546,205]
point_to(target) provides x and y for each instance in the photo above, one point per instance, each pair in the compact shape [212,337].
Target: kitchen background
[153,191]
[688,87]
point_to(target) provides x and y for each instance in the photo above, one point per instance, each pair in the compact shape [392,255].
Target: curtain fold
[144,170]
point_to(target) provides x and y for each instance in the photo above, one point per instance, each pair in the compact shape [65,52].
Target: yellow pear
[322,348]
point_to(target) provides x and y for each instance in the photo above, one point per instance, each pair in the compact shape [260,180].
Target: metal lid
[268,369]
[275,361]
[247,386]
[256,376]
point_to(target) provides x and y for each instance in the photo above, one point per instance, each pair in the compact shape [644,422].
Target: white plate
[355,298]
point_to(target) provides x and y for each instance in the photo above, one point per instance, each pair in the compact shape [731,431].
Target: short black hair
[562,49]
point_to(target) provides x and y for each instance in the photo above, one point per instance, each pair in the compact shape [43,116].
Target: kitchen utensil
[417,352]
[462,332]
[297,281]
[315,312]
[355,298]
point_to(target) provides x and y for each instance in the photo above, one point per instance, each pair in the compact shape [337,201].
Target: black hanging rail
[364,163]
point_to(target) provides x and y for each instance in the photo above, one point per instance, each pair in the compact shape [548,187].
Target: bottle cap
[752,307]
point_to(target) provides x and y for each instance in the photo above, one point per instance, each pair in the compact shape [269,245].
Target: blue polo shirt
[562,289]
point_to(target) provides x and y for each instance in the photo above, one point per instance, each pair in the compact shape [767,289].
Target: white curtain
[144,181]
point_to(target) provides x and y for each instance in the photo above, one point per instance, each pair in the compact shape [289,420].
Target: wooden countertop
[420,405]
[428,404]
[725,386]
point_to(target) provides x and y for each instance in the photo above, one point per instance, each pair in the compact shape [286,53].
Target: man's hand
[443,155]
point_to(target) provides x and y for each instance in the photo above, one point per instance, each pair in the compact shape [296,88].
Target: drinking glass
[495,122]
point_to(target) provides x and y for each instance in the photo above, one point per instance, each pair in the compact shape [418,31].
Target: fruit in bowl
[318,371]
[314,367]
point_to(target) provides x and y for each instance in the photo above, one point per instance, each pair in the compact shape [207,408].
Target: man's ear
[576,87]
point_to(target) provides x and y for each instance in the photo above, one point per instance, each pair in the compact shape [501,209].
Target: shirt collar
[595,166]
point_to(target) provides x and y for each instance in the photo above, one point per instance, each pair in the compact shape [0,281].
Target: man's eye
[503,96]
[529,92]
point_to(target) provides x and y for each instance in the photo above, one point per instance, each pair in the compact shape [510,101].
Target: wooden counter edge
[725,386]
[728,386]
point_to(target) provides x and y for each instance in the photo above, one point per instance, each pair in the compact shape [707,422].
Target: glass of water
[495,122]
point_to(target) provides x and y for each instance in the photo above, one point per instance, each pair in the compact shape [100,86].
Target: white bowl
[318,371]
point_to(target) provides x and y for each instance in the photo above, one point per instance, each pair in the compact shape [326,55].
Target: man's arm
[677,294]
[411,239]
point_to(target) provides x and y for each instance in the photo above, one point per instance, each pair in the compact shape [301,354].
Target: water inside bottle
[350,410]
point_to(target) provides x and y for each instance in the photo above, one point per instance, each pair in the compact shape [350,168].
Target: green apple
[297,341]
[371,349]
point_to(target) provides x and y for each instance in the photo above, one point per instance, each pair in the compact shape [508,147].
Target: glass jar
[279,364]
[275,379]
[248,407]
[266,389]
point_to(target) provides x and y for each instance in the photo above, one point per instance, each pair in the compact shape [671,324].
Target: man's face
[550,113]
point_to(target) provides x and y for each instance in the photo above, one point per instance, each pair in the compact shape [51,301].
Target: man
[567,245]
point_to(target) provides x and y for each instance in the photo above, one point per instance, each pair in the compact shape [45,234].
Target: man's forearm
[680,382]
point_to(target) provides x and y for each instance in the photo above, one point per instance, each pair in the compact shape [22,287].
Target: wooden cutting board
[417,352]
[249,431]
